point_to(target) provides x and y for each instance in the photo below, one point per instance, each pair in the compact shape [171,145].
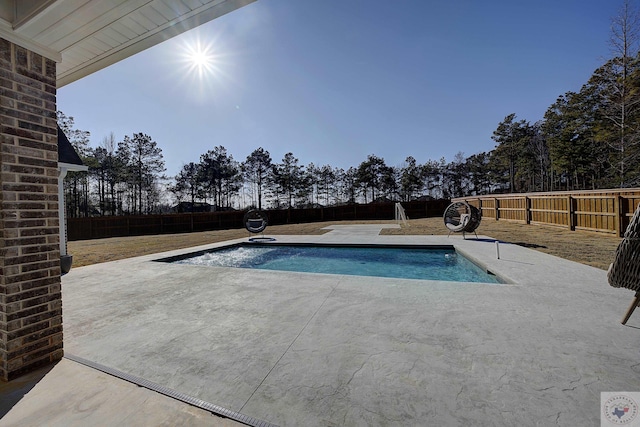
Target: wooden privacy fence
[604,211]
[138,225]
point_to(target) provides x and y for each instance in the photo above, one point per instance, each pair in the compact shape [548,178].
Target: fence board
[605,211]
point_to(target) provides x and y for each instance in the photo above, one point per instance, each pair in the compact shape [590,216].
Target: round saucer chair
[624,272]
[256,221]
[461,217]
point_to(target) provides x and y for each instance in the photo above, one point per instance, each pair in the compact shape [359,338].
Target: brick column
[30,297]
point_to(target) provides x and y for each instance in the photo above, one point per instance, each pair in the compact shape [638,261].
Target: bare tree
[620,89]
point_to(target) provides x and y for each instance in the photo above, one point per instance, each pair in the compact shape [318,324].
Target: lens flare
[202,66]
[200,59]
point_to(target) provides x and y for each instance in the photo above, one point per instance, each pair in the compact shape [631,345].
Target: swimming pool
[425,263]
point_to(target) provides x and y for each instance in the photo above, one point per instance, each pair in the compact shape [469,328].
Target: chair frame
[255,221]
[624,272]
[461,217]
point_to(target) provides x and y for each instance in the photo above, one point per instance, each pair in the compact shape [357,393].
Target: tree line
[123,178]
[588,139]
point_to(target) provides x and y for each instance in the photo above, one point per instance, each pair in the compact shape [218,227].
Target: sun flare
[200,59]
[201,65]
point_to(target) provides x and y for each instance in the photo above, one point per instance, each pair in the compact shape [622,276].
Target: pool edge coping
[185,253]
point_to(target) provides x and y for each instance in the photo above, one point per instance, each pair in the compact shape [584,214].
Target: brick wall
[30,297]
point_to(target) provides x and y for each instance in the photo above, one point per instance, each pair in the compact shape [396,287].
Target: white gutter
[63,168]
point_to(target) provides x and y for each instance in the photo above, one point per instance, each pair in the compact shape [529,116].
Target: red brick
[20,56]
[14,94]
[45,281]
[39,231]
[34,179]
[42,353]
[27,295]
[32,188]
[50,69]
[23,169]
[24,277]
[38,162]
[40,266]
[5,50]
[30,298]
[26,241]
[25,259]
[36,62]
[26,313]
[23,133]
[24,206]
[35,197]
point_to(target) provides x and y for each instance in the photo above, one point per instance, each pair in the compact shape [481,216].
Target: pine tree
[257,169]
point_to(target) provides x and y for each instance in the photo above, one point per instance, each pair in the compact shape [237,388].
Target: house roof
[67,155]
[85,36]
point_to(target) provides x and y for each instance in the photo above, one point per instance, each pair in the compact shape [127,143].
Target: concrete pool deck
[332,350]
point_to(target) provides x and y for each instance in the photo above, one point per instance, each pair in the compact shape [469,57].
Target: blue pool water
[406,263]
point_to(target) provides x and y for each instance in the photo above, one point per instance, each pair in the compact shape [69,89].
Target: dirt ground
[595,249]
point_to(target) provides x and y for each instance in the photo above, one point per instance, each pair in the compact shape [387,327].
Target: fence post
[527,210]
[571,222]
[617,209]
[496,204]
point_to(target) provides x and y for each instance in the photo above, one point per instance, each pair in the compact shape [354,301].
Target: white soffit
[85,36]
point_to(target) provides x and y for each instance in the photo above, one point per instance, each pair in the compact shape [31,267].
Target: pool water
[405,263]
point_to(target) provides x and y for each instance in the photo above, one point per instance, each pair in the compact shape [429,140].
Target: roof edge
[7,33]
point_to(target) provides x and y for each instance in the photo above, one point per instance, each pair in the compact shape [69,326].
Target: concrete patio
[332,350]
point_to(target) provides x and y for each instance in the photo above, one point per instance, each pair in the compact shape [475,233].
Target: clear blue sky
[335,80]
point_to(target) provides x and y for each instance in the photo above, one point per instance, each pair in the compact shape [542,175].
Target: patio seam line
[173,394]
[333,289]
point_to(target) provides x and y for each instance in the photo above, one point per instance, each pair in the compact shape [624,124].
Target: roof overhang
[85,36]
